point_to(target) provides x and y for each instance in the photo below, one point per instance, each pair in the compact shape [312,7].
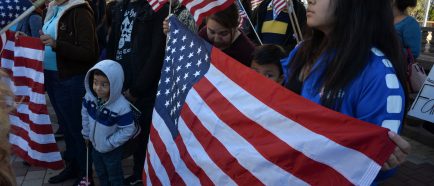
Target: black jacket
[147,49]
[77,45]
[258,17]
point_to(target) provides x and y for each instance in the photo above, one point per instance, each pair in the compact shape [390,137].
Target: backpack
[416,75]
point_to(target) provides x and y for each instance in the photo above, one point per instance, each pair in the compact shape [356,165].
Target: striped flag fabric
[213,125]
[31,134]
[256,3]
[11,9]
[157,4]
[202,8]
[278,6]
[242,13]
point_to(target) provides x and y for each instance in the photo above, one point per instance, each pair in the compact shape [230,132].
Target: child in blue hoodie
[107,120]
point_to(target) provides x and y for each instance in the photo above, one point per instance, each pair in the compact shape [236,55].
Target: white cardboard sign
[423,105]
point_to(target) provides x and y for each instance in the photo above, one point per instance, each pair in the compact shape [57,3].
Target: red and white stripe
[202,8]
[232,132]
[256,3]
[157,4]
[31,132]
[278,6]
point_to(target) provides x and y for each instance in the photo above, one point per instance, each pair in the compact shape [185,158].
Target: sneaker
[84,182]
[132,180]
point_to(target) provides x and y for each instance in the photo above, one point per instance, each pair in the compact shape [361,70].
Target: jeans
[108,167]
[66,97]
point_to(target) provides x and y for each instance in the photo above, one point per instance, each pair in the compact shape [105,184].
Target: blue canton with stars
[186,61]
[11,9]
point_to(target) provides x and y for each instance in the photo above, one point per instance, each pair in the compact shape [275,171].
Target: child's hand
[86,141]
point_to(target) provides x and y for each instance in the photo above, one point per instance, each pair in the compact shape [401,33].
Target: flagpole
[294,21]
[250,22]
[23,15]
[428,5]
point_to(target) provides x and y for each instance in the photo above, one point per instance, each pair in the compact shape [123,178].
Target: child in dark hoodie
[107,119]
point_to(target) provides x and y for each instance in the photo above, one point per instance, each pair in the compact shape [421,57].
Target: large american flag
[11,9]
[202,8]
[216,122]
[31,133]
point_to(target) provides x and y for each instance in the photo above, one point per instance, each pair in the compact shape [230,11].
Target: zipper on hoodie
[99,108]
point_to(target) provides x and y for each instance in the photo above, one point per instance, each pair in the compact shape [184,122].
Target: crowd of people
[351,61]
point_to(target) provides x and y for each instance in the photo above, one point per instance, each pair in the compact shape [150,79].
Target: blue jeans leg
[100,168]
[108,167]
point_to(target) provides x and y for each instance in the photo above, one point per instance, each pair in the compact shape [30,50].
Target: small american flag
[242,13]
[278,6]
[157,4]
[256,3]
[31,133]
[11,9]
[202,8]
[213,125]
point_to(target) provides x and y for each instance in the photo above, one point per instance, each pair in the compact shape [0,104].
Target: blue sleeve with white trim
[381,99]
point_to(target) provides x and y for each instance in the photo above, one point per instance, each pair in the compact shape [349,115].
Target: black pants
[139,153]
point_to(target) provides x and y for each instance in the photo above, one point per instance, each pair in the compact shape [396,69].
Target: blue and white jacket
[375,96]
[111,124]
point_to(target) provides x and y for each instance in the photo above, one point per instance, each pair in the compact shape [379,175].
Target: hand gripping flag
[31,133]
[213,124]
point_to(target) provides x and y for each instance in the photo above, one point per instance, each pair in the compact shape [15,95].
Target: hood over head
[115,74]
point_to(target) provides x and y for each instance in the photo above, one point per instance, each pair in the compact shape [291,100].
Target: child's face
[270,71]
[320,15]
[101,86]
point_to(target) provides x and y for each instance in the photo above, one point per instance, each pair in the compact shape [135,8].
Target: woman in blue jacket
[352,63]
[406,26]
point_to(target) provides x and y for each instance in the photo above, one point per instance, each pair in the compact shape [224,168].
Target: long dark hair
[359,26]
[228,17]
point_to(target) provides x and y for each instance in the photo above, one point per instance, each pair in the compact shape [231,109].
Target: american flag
[31,134]
[255,3]
[278,6]
[242,13]
[202,8]
[157,4]
[216,122]
[11,9]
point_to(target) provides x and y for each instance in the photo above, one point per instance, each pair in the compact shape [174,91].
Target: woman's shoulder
[408,22]
[378,66]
